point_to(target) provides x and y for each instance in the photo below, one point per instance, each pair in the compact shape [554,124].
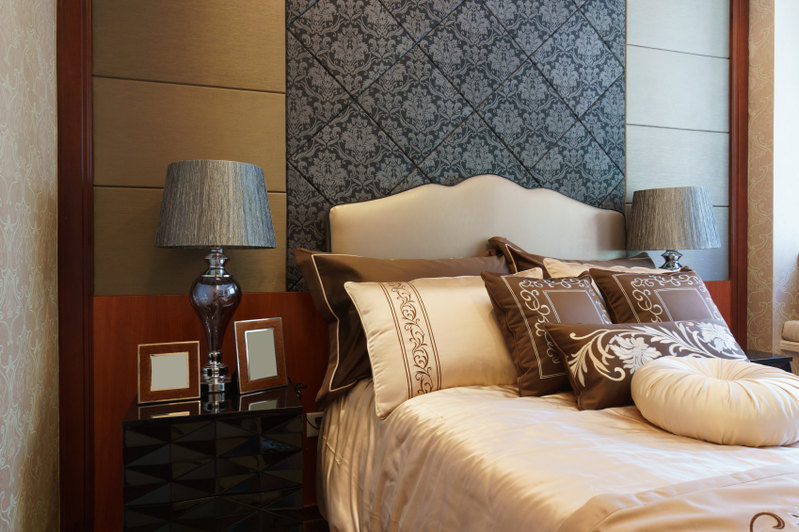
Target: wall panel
[140,127]
[698,27]
[201,42]
[677,90]
[126,261]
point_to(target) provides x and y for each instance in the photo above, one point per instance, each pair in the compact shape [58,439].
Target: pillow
[561,268]
[427,335]
[519,260]
[326,273]
[731,402]
[601,359]
[523,305]
[643,298]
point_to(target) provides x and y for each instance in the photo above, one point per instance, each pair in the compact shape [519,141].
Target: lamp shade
[210,204]
[672,218]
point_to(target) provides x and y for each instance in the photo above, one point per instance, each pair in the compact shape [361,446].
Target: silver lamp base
[672,257]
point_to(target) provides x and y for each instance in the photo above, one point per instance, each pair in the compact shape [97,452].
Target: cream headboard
[435,221]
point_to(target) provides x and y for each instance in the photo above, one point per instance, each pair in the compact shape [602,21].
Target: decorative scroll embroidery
[640,344]
[418,344]
[644,288]
[778,525]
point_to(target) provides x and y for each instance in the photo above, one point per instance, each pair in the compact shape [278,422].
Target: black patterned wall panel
[387,95]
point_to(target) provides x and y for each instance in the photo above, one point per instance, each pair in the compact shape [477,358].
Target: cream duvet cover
[482,458]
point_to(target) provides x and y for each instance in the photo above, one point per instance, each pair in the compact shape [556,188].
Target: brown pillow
[601,359]
[520,260]
[326,273]
[644,298]
[523,305]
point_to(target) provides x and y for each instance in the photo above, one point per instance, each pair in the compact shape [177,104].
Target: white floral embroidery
[718,336]
[633,352]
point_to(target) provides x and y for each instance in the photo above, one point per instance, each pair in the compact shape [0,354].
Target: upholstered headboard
[435,221]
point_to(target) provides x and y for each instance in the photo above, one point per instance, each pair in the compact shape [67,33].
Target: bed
[482,457]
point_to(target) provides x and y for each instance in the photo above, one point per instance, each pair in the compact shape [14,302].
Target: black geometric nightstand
[770,359]
[239,469]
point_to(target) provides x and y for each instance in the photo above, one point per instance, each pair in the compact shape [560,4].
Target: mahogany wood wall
[123,322]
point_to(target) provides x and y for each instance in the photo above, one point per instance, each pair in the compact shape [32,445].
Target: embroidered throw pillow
[643,298]
[427,335]
[601,359]
[523,305]
[519,259]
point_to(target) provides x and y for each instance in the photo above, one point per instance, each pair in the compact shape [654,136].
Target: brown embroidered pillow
[520,260]
[644,298]
[326,273]
[601,359]
[523,305]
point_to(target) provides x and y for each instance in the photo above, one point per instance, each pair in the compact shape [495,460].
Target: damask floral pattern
[473,51]
[414,120]
[531,22]
[578,168]
[309,211]
[527,114]
[355,40]
[28,262]
[415,104]
[578,64]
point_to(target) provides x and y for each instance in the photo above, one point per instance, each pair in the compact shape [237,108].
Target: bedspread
[483,458]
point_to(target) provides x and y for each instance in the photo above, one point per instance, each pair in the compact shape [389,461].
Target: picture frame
[169,371]
[179,409]
[260,355]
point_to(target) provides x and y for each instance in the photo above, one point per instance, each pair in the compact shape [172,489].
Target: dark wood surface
[739,160]
[721,292]
[123,322]
[75,262]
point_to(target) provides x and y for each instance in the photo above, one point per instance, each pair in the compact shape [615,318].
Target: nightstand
[239,468]
[770,359]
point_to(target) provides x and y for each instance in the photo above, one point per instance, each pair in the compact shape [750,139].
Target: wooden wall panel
[721,292]
[127,261]
[140,127]
[670,89]
[660,157]
[202,42]
[699,27]
[121,323]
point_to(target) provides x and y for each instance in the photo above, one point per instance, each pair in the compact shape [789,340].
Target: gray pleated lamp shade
[214,204]
[672,218]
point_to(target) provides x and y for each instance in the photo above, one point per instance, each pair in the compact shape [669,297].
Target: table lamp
[672,218]
[214,205]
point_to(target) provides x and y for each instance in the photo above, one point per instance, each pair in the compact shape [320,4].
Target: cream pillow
[429,334]
[558,268]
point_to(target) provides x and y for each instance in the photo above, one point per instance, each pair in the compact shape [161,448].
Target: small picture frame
[259,353]
[180,409]
[169,372]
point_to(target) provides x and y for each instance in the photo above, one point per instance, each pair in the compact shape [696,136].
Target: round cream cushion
[733,402]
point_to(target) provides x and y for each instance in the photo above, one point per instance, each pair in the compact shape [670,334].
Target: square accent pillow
[601,359]
[523,305]
[427,335]
[326,273]
[520,260]
[643,298]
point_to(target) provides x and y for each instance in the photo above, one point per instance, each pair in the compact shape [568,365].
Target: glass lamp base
[672,257]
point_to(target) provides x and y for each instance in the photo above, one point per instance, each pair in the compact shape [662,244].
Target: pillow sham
[427,335]
[560,268]
[325,274]
[644,298]
[523,305]
[601,359]
[519,260]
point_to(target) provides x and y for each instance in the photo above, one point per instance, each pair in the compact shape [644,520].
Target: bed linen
[483,458]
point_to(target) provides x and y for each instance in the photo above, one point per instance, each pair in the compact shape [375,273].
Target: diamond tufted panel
[386,95]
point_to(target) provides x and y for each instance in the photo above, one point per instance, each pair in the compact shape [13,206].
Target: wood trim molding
[739,156]
[75,264]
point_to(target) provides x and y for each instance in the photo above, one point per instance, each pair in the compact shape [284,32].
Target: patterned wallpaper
[28,292]
[386,95]
[760,319]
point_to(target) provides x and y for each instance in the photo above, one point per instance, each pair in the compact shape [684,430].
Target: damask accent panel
[386,95]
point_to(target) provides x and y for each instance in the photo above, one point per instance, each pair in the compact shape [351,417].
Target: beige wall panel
[659,157]
[127,262]
[237,43]
[140,127]
[672,89]
[694,26]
